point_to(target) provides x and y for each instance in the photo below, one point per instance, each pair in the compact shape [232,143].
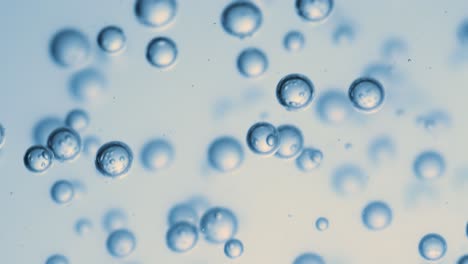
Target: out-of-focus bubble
[309,159]
[463,260]
[462,33]
[429,165]
[182,237]
[348,180]
[321,224]
[432,247]
[314,10]
[344,33]
[252,62]
[218,225]
[233,248]
[263,138]
[295,92]
[381,71]
[44,127]
[225,154]
[333,107]
[111,39]
[377,215]
[2,136]
[87,85]
[380,148]
[121,243]
[241,19]
[65,143]
[182,213]
[62,192]
[157,154]
[83,226]
[57,259]
[114,159]
[294,41]
[91,145]
[78,119]
[156,13]
[291,142]
[38,159]
[161,52]
[434,121]
[309,258]
[70,48]
[367,95]
[114,219]
[394,48]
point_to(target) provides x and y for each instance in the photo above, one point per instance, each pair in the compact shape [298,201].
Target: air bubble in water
[57,259]
[88,85]
[156,13]
[429,165]
[241,19]
[309,159]
[38,159]
[77,119]
[182,237]
[367,95]
[65,143]
[70,48]
[225,154]
[432,247]
[309,258]
[263,138]
[157,154]
[111,39]
[314,10]
[294,41]
[161,52]
[114,159]
[252,62]
[121,243]
[295,92]
[114,219]
[218,225]
[333,107]
[291,141]
[233,248]
[83,226]
[349,180]
[377,215]
[62,192]
[321,224]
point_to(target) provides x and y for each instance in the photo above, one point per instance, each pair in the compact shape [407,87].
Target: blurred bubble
[394,48]
[62,192]
[114,159]
[309,258]
[294,41]
[291,142]
[77,119]
[65,143]
[161,52]
[218,225]
[57,259]
[434,121]
[157,154]
[70,48]
[344,33]
[2,136]
[87,85]
[462,33]
[432,247]
[233,248]
[381,71]
[182,237]
[429,165]
[295,92]
[321,224]
[333,107]
[367,95]
[463,260]
[121,243]
[314,10]
[309,159]
[38,159]
[252,62]
[348,180]
[156,13]
[83,226]
[91,145]
[263,138]
[225,154]
[111,39]
[44,127]
[377,215]
[380,148]
[114,219]
[241,19]
[182,213]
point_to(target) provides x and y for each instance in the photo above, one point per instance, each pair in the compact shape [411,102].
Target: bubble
[161,52]
[367,95]
[77,119]
[114,159]
[321,224]
[182,237]
[380,148]
[395,49]
[333,107]
[291,141]
[295,92]
[70,48]
[314,10]
[309,258]
[435,121]
[377,215]
[432,247]
[157,154]
[218,225]
[349,180]
[83,226]
[121,243]
[156,13]
[38,159]
[2,136]
[343,33]
[463,33]
[463,260]
[44,127]
[87,85]
[241,19]
[294,41]
[57,259]
[263,138]
[225,154]
[309,159]
[233,248]
[429,165]
[114,219]
[62,192]
[182,213]
[111,39]
[65,143]
[91,145]
[252,62]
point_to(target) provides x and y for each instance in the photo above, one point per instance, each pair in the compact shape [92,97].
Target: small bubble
[295,92]
[87,85]
[377,215]
[62,192]
[91,145]
[38,159]
[108,154]
[157,154]
[321,224]
[182,213]
[432,247]
[161,52]
[241,19]
[121,243]
[182,237]
[309,159]
[314,10]
[263,138]
[225,154]
[252,62]
[367,95]
[111,39]
[291,142]
[83,226]
[156,13]
[294,41]
[333,107]
[349,180]
[233,248]
[77,119]
[429,165]
[343,33]
[114,219]
[309,258]
[57,259]
[65,143]
[70,48]
[218,225]
[380,148]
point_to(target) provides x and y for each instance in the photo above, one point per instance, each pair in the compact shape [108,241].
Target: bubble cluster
[367,95]
[77,119]
[309,159]
[114,159]
[432,247]
[65,143]
[309,258]
[233,248]
[38,159]
[252,62]
[161,52]
[182,237]
[314,10]
[57,259]
[377,215]
[62,192]
[121,243]
[321,224]
[291,141]
[156,13]
[429,165]
[70,48]
[225,154]
[241,19]
[263,139]
[294,41]
[157,154]
[111,39]
[218,225]
[295,92]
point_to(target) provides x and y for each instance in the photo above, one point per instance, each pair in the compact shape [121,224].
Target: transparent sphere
[57,259]
[295,92]
[218,225]
[321,224]
[366,94]
[241,19]
[252,62]
[2,136]
[38,159]
[309,258]
[161,52]
[111,39]
[114,219]
[182,213]
[87,85]
[432,247]
[114,159]
[463,260]
[91,145]
[83,226]
[429,165]
[343,33]
[233,248]
[294,41]
[156,13]
[44,127]
[225,154]
[157,154]
[380,148]
[182,237]
[309,159]
[65,143]
[70,48]
[314,10]
[77,119]
[333,107]
[349,180]
[263,138]
[121,243]
[291,142]
[62,192]
[377,215]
